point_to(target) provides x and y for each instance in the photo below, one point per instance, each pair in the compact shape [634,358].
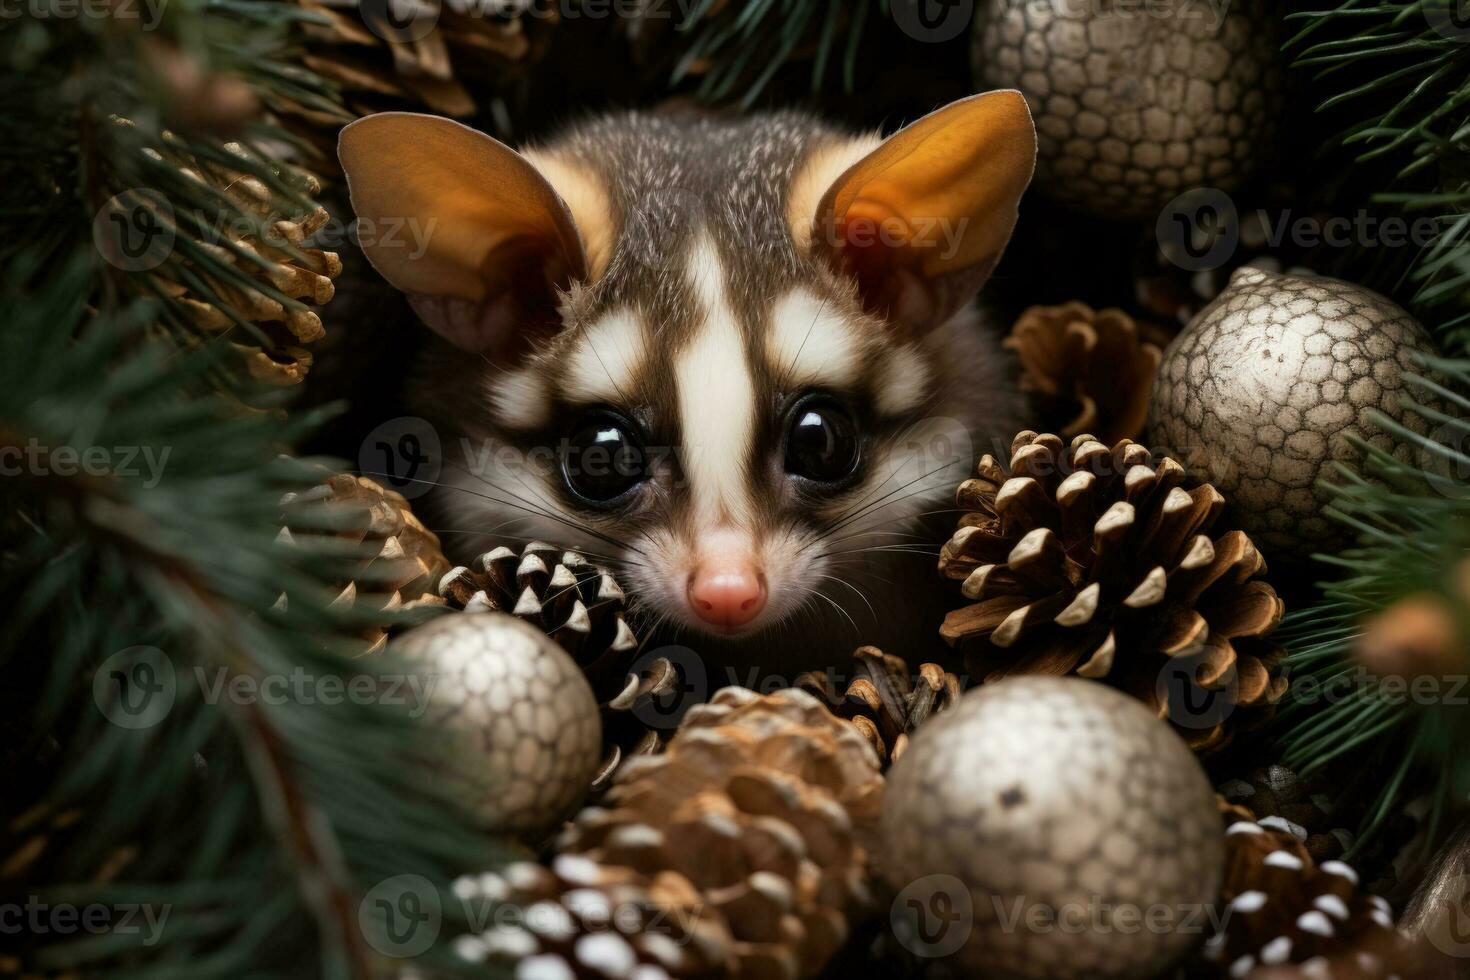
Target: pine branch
[99,139]
[245,819]
[1413,521]
[739,48]
[1400,70]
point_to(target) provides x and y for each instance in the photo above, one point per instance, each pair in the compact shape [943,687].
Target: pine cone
[883,701]
[581,606]
[484,49]
[288,278]
[1083,559]
[759,818]
[572,600]
[400,560]
[580,918]
[1101,364]
[1281,800]
[1320,812]
[651,693]
[1282,908]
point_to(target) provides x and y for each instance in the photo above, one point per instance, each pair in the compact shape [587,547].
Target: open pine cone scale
[575,602]
[580,605]
[882,699]
[1080,558]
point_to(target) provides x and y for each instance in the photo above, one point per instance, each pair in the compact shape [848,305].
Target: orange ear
[922,220]
[464,225]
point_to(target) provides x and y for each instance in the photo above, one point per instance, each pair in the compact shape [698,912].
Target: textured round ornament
[1136,103]
[1055,829]
[522,736]
[1261,392]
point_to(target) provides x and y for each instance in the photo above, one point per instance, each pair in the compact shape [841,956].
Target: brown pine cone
[759,816]
[581,606]
[579,918]
[1077,558]
[1281,800]
[288,281]
[400,561]
[1322,810]
[1100,363]
[443,55]
[561,593]
[1282,908]
[882,700]
[633,719]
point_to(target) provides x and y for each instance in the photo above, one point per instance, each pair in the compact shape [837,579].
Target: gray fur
[670,179]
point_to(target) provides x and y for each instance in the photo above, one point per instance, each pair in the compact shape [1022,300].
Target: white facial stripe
[518,398]
[605,358]
[811,344]
[903,381]
[716,400]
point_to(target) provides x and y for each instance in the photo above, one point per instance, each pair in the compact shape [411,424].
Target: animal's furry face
[709,337]
[731,357]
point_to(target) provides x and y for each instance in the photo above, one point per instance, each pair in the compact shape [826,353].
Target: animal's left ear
[921,221]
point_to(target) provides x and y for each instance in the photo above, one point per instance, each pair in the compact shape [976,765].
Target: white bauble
[522,736]
[1058,828]
[1137,103]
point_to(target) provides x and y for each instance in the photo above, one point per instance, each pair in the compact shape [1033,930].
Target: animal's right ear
[461,223]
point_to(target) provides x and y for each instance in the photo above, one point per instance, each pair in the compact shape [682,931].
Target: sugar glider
[737,360]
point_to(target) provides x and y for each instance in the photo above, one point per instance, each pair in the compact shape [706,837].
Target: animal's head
[722,354]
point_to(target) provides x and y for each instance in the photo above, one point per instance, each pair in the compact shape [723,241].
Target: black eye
[603,458]
[822,441]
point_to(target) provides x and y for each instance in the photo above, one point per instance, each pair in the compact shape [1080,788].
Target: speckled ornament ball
[1261,392]
[1137,103]
[1057,828]
[522,734]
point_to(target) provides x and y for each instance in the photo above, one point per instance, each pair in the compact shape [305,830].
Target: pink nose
[727,595]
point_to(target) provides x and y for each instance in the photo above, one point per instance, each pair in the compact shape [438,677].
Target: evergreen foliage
[141,507]
[262,824]
[1393,78]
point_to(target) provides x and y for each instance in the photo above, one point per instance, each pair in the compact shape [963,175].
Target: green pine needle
[739,48]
